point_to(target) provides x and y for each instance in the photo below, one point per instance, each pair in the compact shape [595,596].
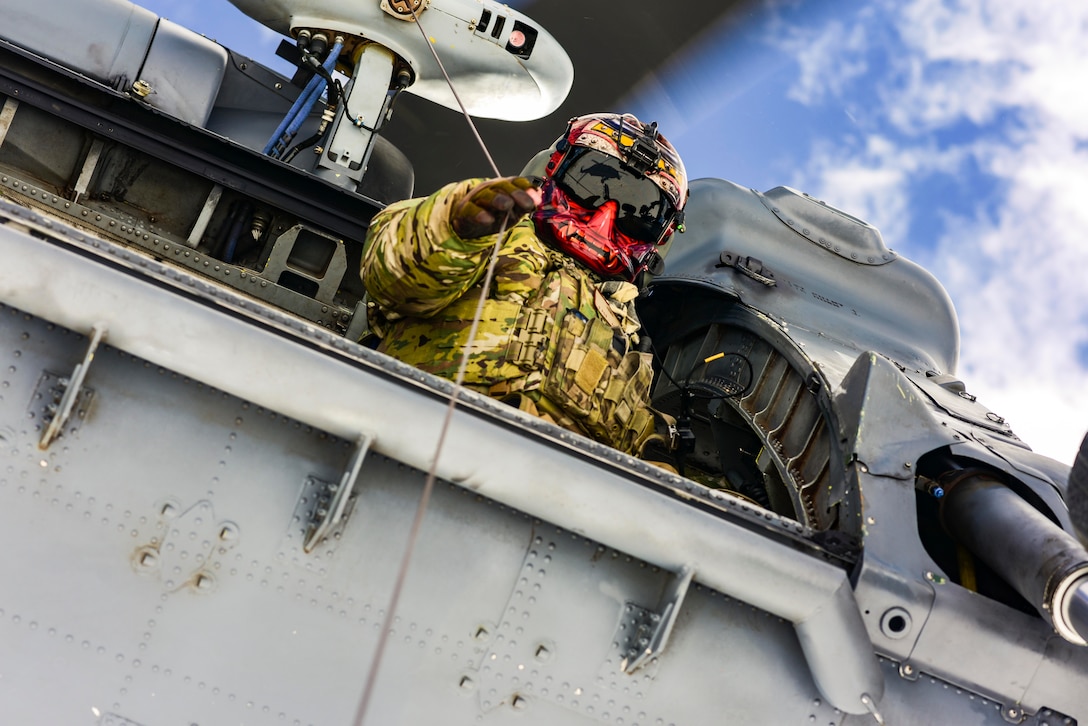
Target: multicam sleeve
[413,262]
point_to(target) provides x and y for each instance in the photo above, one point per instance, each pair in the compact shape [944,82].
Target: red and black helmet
[614,190]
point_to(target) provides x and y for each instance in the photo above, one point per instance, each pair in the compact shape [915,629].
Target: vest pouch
[605,390]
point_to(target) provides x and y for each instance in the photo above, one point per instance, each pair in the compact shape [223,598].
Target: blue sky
[958,127]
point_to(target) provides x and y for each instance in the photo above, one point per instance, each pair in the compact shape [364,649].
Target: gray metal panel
[216,488]
[107,42]
[816,289]
[924,700]
[184,71]
[196,600]
[328,391]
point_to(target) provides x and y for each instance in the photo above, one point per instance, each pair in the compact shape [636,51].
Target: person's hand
[494,205]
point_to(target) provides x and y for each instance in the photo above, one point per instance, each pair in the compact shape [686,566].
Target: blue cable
[291,114]
[302,106]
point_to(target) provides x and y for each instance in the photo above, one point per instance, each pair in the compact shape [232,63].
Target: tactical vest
[565,349]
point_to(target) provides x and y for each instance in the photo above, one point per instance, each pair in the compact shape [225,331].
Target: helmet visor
[591,178]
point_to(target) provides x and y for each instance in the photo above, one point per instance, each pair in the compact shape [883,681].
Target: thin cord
[449,82]
[424,499]
[428,485]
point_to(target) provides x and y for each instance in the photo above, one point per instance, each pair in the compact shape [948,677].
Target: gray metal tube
[1076,609]
[1044,563]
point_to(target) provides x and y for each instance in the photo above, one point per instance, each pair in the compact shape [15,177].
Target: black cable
[684,431]
[687,381]
[293,151]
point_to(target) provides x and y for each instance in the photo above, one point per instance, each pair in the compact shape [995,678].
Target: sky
[959,128]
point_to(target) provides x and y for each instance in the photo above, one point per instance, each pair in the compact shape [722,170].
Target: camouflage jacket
[551,338]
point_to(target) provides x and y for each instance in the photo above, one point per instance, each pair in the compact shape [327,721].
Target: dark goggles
[590,179]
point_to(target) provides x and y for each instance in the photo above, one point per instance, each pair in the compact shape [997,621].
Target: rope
[428,486]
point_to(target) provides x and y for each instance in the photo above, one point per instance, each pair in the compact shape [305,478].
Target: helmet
[614,190]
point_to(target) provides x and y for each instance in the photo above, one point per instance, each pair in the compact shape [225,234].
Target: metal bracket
[90,163]
[290,256]
[402,9]
[7,114]
[653,629]
[329,516]
[72,388]
[750,266]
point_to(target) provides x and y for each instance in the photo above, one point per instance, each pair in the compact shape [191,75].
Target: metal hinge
[651,628]
[750,266]
[328,514]
[72,387]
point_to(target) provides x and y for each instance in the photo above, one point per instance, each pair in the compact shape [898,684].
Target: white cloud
[1024,318]
[869,179]
[1004,79]
[829,60]
[1023,321]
